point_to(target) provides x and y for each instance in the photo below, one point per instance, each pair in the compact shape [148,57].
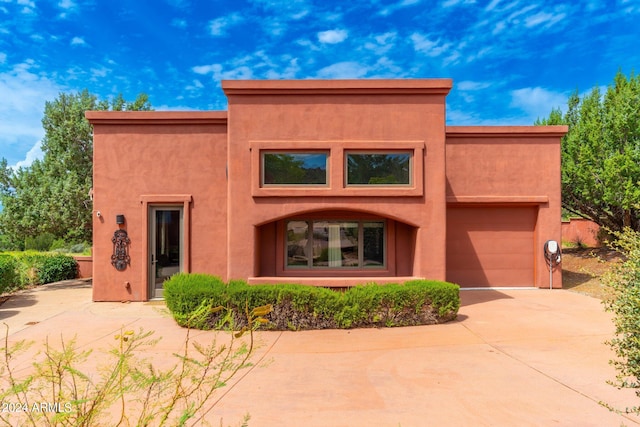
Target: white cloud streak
[332,36]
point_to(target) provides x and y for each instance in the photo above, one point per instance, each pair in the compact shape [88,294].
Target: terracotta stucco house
[321,182]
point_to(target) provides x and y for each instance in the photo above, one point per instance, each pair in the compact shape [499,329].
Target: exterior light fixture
[119,219]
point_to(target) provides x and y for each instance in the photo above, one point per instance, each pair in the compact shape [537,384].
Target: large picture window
[318,244]
[378,168]
[294,168]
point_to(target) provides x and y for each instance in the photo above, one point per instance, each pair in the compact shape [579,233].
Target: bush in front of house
[36,268]
[56,267]
[8,273]
[195,301]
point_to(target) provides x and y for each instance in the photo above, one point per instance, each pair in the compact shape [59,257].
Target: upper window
[378,168]
[294,168]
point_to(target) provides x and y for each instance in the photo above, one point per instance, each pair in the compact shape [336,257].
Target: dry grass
[582,269]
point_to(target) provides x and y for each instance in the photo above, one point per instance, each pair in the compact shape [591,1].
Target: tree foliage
[601,154]
[52,195]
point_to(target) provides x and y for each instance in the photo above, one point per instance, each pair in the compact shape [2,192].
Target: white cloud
[67,4]
[332,36]
[382,43]
[450,3]
[23,91]
[3,57]
[548,19]
[219,26]
[29,6]
[78,41]
[219,73]
[35,153]
[537,101]
[343,70]
[99,73]
[492,5]
[397,6]
[206,69]
[423,44]
[285,9]
[471,85]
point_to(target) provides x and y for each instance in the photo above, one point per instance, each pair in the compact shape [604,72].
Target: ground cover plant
[191,297]
[128,389]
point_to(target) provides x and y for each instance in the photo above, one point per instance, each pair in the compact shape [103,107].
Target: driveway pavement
[512,358]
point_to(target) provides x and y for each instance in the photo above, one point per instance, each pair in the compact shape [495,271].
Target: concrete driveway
[512,358]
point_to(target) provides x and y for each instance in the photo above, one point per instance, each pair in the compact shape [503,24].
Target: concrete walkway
[512,358]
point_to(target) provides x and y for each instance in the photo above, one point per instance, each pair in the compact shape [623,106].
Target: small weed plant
[624,304]
[129,390]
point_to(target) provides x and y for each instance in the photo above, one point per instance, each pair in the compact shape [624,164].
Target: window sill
[329,282]
[378,191]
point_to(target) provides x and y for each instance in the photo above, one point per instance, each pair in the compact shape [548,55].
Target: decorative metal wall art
[120,258]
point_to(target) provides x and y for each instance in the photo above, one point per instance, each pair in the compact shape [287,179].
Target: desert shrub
[624,303]
[298,307]
[41,242]
[58,245]
[8,273]
[128,385]
[78,248]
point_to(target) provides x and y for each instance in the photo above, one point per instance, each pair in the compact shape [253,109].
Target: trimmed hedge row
[21,269]
[191,299]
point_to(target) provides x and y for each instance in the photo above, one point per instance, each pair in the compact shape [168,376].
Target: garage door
[491,246]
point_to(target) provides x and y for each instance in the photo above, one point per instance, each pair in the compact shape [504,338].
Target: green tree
[601,154]
[52,195]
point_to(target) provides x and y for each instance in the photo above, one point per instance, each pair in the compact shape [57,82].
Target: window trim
[280,238]
[326,152]
[336,182]
[319,269]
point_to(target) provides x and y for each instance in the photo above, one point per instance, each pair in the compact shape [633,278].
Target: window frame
[327,170]
[345,161]
[336,181]
[309,246]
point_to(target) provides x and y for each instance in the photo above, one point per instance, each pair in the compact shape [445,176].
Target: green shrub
[624,304]
[41,242]
[58,245]
[55,268]
[8,273]
[193,300]
[37,268]
[188,294]
[29,264]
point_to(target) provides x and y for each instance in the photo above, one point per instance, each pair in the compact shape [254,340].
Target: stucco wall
[337,115]
[581,231]
[510,166]
[162,157]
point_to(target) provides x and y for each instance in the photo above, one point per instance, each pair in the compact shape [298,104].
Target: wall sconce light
[119,219]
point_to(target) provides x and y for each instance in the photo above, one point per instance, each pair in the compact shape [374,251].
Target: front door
[166,240]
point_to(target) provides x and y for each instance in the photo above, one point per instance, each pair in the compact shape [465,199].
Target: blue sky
[511,61]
